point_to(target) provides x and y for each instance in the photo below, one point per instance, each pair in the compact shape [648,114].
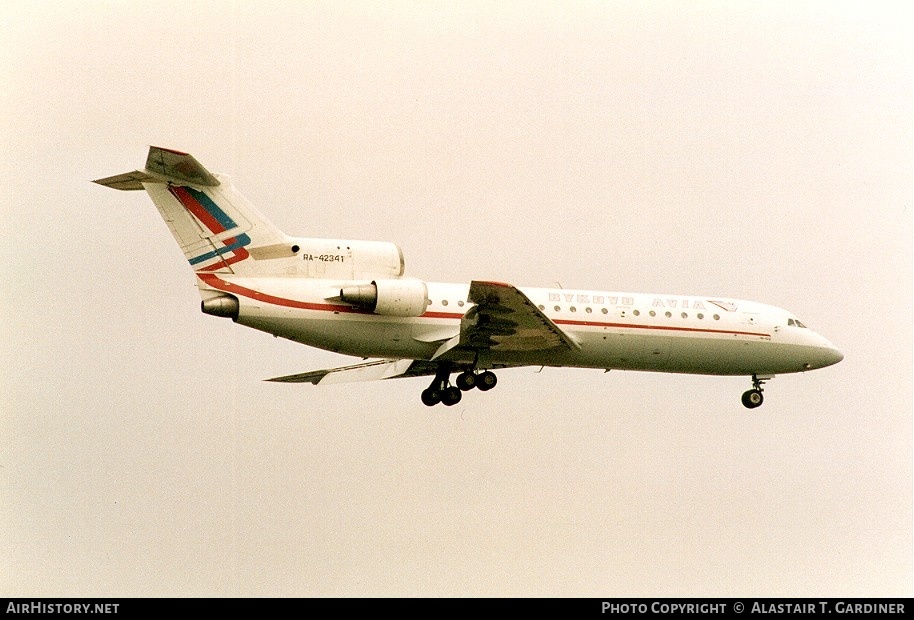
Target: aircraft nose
[833,356]
[829,353]
[823,353]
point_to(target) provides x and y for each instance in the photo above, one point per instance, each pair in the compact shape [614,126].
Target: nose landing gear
[753,398]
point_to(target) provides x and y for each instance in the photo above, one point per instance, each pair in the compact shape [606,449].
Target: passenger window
[557,308]
[636,313]
[444,302]
[588,310]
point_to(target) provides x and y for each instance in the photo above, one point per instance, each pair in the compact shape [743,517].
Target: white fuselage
[664,333]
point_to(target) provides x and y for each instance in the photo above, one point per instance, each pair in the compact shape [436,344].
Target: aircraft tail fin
[215,226]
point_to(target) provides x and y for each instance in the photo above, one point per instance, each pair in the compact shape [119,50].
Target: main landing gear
[440,391]
[753,398]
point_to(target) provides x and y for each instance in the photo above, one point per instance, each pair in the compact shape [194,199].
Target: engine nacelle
[402,297]
[225,306]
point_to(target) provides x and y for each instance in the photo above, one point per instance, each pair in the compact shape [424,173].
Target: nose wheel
[753,398]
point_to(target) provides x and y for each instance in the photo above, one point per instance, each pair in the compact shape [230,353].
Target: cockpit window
[799,324]
[795,323]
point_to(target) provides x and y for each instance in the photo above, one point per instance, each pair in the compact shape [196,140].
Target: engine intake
[402,297]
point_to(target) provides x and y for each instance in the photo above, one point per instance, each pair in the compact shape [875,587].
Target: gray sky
[759,151]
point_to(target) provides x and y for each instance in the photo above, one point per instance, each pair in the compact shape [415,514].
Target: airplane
[353,297]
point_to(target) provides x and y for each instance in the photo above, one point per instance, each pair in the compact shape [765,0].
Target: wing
[501,319]
[504,319]
[369,371]
[372,371]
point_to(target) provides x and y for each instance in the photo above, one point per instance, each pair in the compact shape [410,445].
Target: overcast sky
[743,149]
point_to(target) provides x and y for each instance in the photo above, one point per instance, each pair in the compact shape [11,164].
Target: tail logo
[217,221]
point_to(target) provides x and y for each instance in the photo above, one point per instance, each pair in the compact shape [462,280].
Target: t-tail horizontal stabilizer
[163,166]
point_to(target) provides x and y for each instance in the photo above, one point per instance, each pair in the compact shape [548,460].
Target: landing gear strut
[753,398]
[440,390]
